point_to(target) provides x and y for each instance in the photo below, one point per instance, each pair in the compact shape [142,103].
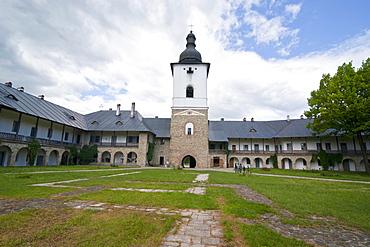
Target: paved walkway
[198,228]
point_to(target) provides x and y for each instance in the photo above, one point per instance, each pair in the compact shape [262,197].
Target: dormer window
[252,130]
[189,92]
[11,96]
[95,122]
[119,122]
[72,118]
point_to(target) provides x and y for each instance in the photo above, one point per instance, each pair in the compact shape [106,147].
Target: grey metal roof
[221,131]
[26,103]
[295,128]
[160,126]
[109,121]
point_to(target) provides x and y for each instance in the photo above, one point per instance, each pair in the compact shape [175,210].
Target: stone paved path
[198,228]
[201,178]
[191,190]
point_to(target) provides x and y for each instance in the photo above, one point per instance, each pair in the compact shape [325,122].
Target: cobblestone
[201,228]
[197,228]
[201,178]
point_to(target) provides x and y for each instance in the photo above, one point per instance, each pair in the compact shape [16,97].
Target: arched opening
[40,157]
[105,157]
[132,157]
[349,165]
[189,129]
[287,163]
[362,166]
[246,162]
[269,163]
[316,165]
[4,155]
[189,161]
[233,162]
[189,92]
[21,157]
[64,160]
[258,163]
[53,158]
[300,164]
[118,157]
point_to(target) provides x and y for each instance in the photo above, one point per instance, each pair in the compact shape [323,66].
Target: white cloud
[124,48]
[293,9]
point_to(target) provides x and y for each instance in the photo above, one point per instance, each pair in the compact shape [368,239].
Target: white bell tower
[190,78]
[189,121]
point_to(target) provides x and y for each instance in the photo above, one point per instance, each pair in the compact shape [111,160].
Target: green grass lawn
[341,175]
[346,202]
[71,227]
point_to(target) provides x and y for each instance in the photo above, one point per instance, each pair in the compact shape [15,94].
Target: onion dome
[190,54]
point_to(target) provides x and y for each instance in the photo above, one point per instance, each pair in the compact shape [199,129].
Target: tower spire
[190,54]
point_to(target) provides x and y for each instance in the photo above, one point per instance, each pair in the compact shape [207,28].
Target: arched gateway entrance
[189,161]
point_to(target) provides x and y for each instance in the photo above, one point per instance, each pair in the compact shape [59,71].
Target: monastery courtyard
[201,199]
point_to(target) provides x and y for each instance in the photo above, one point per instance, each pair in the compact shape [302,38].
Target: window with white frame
[189,92]
[189,129]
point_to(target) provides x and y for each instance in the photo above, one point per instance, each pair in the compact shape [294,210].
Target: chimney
[133,110]
[9,84]
[252,119]
[288,118]
[118,112]
[20,89]
[41,96]
[110,109]
[244,119]
[156,116]
[302,117]
[222,119]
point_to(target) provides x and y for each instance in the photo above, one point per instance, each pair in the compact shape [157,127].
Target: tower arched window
[189,129]
[189,92]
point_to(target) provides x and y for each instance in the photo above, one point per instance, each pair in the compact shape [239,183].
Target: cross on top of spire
[191,27]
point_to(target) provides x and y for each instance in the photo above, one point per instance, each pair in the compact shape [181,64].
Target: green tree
[341,105]
[327,159]
[87,154]
[33,146]
[73,155]
[274,161]
[150,151]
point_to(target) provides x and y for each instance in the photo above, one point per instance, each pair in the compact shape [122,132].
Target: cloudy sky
[266,55]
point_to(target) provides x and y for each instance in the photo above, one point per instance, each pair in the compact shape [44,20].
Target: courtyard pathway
[202,228]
